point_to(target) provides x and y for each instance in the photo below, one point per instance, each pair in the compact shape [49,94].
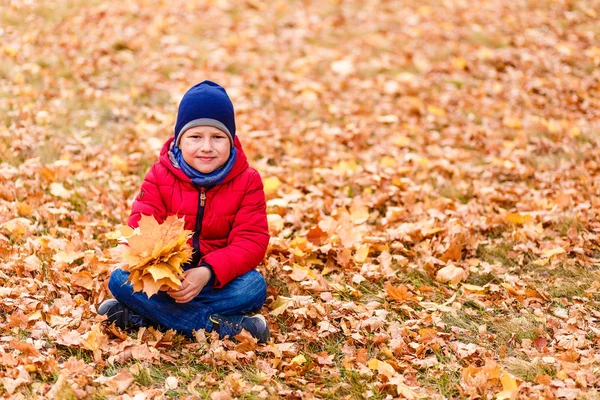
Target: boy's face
[205,148]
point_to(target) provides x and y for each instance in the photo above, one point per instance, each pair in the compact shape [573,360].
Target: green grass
[528,370]
[487,40]
[483,279]
[515,327]
[469,324]
[564,281]
[443,380]
[332,344]
[355,386]
[497,252]
[563,225]
[454,191]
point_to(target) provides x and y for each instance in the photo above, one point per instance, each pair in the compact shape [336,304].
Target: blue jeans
[243,295]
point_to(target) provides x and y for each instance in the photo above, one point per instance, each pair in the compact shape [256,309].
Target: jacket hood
[241,162]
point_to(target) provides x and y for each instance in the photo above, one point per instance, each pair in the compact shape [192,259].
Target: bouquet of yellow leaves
[155,253]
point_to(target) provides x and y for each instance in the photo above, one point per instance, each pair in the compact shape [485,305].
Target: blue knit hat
[205,104]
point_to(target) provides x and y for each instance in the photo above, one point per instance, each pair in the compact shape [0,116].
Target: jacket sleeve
[248,239]
[148,201]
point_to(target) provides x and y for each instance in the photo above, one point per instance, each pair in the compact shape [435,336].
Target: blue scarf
[198,178]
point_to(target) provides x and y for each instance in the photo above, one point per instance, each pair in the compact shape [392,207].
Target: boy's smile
[205,148]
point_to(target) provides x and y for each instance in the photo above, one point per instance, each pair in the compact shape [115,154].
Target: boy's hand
[193,282]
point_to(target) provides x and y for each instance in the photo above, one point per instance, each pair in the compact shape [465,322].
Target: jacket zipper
[199,217]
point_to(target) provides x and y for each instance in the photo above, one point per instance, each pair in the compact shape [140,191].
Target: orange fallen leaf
[94,340]
[83,279]
[453,253]
[362,356]
[26,348]
[399,293]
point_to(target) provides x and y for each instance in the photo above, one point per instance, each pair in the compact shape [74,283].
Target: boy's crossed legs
[221,310]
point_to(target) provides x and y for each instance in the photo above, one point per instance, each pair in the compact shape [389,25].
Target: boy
[203,175]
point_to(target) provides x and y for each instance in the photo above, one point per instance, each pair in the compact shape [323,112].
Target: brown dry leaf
[24,209]
[300,273]
[362,252]
[245,342]
[362,356]
[68,256]
[324,358]
[122,380]
[548,253]
[70,338]
[16,227]
[143,352]
[451,273]
[58,190]
[118,383]
[11,385]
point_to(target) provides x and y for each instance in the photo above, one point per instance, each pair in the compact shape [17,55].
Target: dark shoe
[232,325]
[120,315]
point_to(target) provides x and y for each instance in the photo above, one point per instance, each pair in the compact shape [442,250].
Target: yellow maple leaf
[154,256]
[162,270]
[271,185]
[280,305]
[299,359]
[510,386]
[553,251]
[518,219]
[362,252]
[94,340]
[436,110]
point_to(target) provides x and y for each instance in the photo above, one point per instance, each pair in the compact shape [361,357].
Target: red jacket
[231,231]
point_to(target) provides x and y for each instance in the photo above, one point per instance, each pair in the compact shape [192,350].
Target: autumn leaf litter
[432,177]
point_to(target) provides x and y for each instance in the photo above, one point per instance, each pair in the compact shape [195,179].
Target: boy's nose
[205,145]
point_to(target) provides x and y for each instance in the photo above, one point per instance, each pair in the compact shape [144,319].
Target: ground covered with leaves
[432,172]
